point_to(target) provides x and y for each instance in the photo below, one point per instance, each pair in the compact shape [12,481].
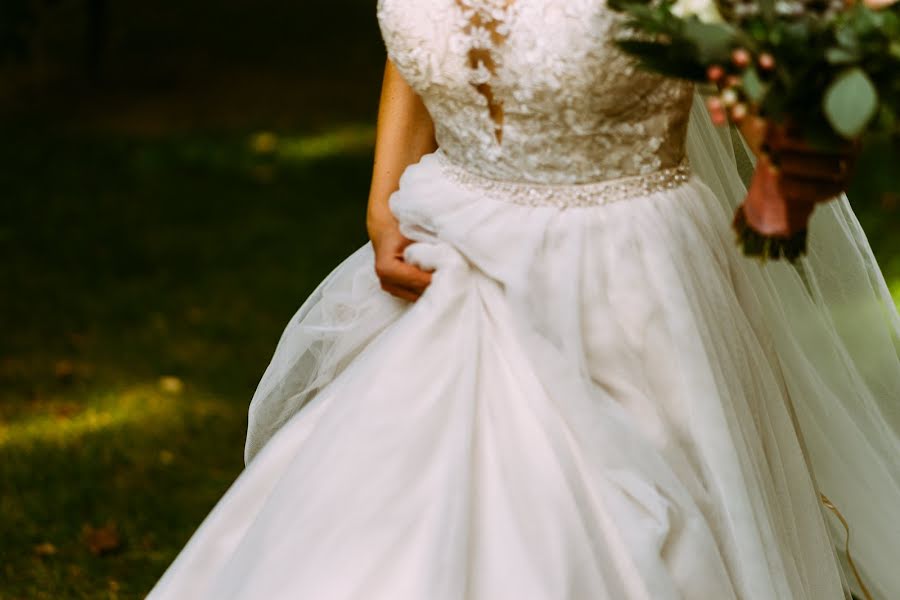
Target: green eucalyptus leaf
[887,119]
[850,102]
[876,172]
[840,56]
[664,59]
[713,41]
[894,49]
[753,85]
[820,136]
[795,33]
[846,37]
[866,20]
[757,30]
[892,21]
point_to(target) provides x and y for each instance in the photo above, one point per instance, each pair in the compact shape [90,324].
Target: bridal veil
[831,314]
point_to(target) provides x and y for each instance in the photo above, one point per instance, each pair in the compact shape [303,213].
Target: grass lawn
[139,309]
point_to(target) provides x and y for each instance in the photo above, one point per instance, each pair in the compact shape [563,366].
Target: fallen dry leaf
[65,411]
[196,314]
[45,549]
[64,370]
[264,142]
[171,385]
[101,540]
[67,371]
[77,339]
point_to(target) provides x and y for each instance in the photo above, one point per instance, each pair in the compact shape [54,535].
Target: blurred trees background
[263,55]
[175,178]
[28,28]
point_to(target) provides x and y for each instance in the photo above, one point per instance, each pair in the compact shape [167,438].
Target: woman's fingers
[754,130]
[807,189]
[400,292]
[408,275]
[795,156]
[782,138]
[806,173]
[397,276]
[398,273]
[402,279]
[830,168]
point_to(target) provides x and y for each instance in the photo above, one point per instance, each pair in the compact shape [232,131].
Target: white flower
[705,10]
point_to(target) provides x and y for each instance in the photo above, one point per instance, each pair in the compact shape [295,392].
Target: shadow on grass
[146,284]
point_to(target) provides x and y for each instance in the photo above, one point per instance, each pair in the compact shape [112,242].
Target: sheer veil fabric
[837,335]
[597,396]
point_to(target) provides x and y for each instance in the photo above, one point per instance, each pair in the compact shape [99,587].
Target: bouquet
[800,79]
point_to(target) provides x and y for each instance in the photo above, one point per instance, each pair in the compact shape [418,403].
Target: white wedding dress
[598,397]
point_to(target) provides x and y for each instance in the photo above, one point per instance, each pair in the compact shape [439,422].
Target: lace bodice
[535,90]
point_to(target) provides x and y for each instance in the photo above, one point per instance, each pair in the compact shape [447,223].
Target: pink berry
[732,81]
[714,73]
[738,112]
[718,117]
[766,61]
[716,110]
[740,58]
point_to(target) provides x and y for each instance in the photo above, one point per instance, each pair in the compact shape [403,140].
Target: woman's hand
[405,135]
[805,174]
[398,277]
[791,177]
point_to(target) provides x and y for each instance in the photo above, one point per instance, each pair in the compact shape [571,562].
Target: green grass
[145,283]
[155,240]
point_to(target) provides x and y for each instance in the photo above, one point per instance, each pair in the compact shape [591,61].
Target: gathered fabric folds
[600,401]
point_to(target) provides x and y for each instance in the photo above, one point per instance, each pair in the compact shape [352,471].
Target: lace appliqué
[536,90]
[485,31]
[567,196]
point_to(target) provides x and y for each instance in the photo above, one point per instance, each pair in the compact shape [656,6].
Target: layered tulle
[836,333]
[596,402]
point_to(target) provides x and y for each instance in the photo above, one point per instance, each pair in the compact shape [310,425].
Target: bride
[551,375]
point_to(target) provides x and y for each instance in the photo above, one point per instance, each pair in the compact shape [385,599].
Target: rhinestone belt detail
[567,195]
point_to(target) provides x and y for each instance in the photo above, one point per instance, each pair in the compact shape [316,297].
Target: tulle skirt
[587,403]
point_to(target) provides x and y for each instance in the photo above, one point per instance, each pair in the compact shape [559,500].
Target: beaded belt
[567,195]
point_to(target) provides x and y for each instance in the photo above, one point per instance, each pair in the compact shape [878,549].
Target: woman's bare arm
[405,133]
